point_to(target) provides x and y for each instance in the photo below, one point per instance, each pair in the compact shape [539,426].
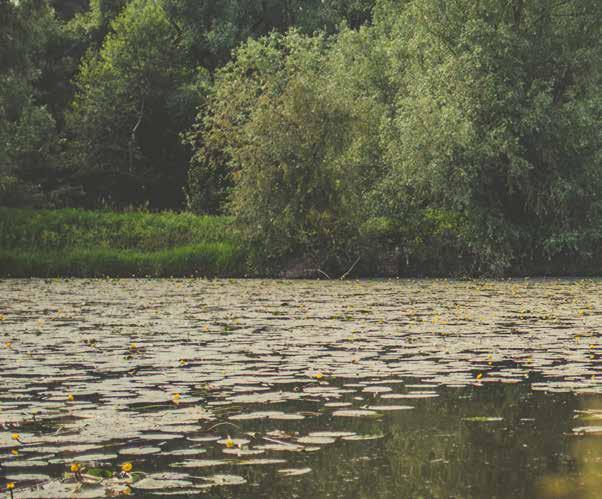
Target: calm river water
[308,389]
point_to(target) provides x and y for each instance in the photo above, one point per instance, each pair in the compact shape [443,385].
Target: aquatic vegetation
[508,360]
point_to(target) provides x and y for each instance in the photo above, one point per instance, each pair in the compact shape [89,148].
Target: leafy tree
[497,119]
[296,140]
[67,9]
[133,100]
[27,130]
[91,25]
[211,30]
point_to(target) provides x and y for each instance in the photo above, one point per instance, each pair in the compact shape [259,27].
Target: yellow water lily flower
[10,485]
[15,436]
[126,467]
[479,376]
[75,467]
[14,452]
[8,344]
[318,376]
[230,443]
[70,397]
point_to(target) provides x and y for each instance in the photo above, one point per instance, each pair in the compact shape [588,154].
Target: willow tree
[286,143]
[498,121]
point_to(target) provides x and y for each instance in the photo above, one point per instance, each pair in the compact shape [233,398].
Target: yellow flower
[75,467]
[14,452]
[133,346]
[229,443]
[126,467]
[15,436]
[479,376]
[127,491]
[10,485]
[8,344]
[318,376]
[70,397]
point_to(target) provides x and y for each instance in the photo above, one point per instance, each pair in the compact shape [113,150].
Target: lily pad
[355,413]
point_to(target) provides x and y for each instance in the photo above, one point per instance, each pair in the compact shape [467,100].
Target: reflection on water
[585,479]
[301,389]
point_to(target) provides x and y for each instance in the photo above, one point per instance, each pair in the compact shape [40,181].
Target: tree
[212,30]
[27,130]
[497,120]
[288,141]
[133,99]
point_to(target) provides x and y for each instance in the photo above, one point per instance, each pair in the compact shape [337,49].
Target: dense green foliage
[472,128]
[497,119]
[454,136]
[137,81]
[85,243]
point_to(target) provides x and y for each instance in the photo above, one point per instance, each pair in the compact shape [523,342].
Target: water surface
[249,388]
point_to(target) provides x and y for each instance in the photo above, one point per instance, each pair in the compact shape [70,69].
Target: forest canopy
[444,134]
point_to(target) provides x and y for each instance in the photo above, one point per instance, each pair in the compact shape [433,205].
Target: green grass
[71,242]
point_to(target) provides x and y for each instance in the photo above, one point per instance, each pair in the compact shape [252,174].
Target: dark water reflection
[441,449]
[364,389]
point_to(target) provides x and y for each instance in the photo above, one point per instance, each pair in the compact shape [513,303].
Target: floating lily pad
[363,437]
[225,480]
[294,471]
[139,451]
[355,413]
[198,463]
[253,462]
[411,395]
[150,483]
[483,419]
[377,389]
[313,440]
[265,415]
[242,452]
[390,407]
[193,451]
[331,434]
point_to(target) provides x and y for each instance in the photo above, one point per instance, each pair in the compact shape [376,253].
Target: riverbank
[80,243]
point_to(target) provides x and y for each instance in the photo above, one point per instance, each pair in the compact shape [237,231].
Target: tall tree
[133,99]
[288,145]
[498,119]
[27,129]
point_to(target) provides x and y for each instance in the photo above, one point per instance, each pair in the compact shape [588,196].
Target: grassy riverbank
[80,243]
[70,242]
